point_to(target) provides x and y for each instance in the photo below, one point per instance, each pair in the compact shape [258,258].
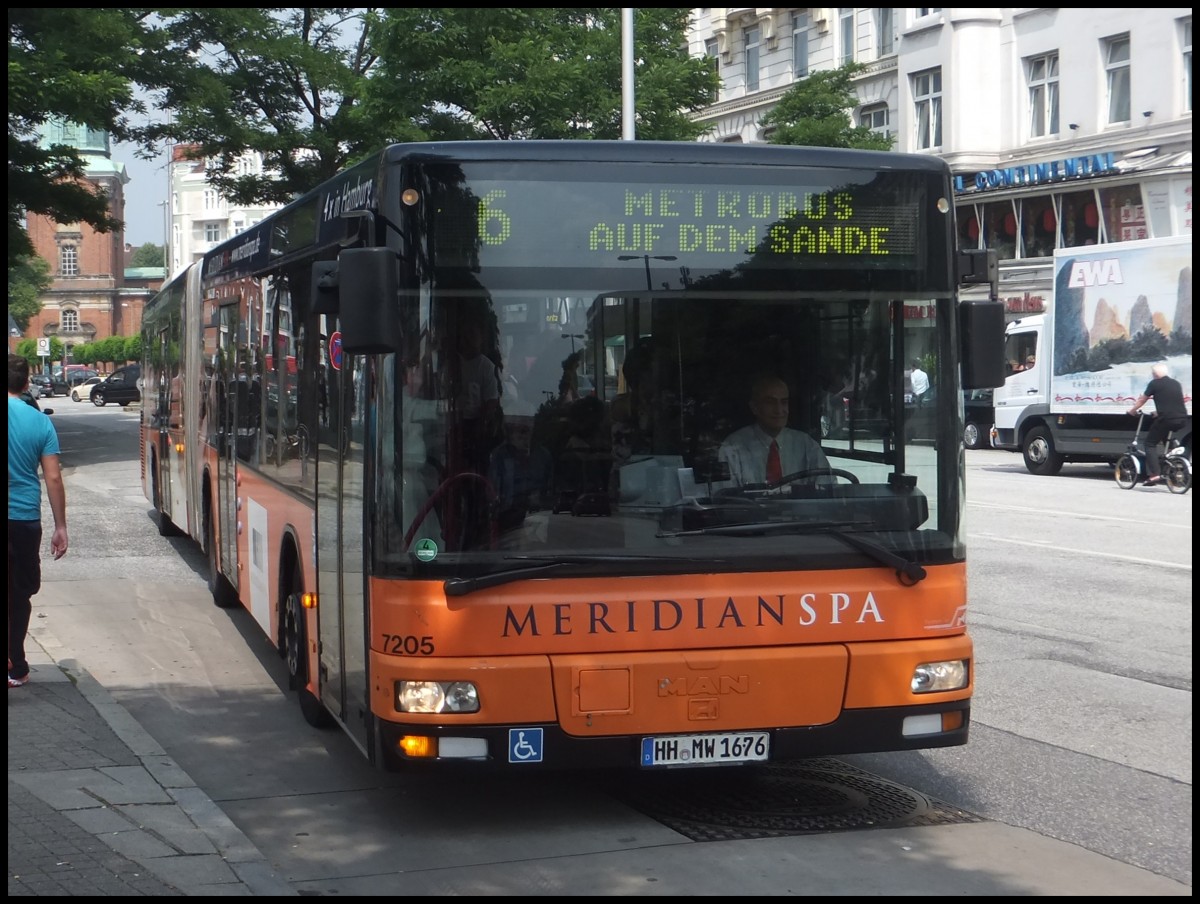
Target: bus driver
[767,450]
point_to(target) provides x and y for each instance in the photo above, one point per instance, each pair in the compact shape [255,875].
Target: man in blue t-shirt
[32,444]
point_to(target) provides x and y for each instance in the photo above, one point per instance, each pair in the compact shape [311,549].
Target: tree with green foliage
[27,349]
[537,73]
[316,89]
[28,278]
[133,348]
[112,350]
[285,82]
[148,255]
[77,65]
[84,353]
[816,111]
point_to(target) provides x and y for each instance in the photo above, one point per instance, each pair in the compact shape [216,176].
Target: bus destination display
[590,224]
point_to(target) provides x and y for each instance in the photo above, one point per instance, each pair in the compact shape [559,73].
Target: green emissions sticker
[426,550]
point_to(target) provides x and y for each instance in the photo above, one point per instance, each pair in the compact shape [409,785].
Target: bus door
[227,421]
[162,423]
[341,551]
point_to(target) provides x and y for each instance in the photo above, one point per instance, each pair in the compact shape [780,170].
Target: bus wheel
[1040,454]
[295,652]
[223,594]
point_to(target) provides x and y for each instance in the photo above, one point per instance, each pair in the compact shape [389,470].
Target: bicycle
[1175,466]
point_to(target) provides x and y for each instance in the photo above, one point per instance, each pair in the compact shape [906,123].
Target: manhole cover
[797,798]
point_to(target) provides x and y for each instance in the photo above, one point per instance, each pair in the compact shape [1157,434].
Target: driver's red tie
[774,467]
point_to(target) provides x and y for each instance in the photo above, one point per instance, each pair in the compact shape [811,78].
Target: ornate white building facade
[1063,127]
[200,217]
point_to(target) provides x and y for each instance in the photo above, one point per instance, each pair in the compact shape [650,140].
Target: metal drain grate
[797,798]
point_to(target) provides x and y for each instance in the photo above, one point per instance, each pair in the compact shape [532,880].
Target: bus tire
[295,652]
[223,594]
[1041,457]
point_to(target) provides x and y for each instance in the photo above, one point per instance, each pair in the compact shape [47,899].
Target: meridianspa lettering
[701,614]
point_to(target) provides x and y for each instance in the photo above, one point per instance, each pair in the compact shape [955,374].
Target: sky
[146,190]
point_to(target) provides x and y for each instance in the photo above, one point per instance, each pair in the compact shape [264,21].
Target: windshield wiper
[547,565]
[907,572]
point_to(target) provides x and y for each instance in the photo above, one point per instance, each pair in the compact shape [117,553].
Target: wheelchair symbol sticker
[524,745]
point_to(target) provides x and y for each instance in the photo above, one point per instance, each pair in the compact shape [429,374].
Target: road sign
[43,346]
[335,350]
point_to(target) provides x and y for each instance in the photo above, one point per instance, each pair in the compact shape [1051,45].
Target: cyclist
[1170,414]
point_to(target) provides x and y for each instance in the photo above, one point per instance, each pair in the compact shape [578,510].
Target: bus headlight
[436,697]
[931,677]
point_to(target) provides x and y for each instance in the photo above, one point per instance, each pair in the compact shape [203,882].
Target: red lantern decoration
[1090,217]
[1010,225]
[1048,219]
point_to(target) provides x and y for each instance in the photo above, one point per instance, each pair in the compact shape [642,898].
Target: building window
[247,164]
[212,201]
[800,45]
[922,11]
[753,36]
[212,232]
[1124,213]
[1042,74]
[713,54]
[68,260]
[846,33]
[968,226]
[69,322]
[1000,229]
[884,31]
[1080,219]
[1039,226]
[927,108]
[1116,66]
[1186,40]
[875,118]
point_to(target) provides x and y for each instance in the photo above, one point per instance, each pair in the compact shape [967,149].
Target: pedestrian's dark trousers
[1155,437]
[24,580]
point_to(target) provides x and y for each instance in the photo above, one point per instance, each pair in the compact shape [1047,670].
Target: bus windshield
[687,376]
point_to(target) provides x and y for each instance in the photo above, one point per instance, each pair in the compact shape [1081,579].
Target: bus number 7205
[407,645]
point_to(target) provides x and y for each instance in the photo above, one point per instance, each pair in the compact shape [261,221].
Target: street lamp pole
[647,258]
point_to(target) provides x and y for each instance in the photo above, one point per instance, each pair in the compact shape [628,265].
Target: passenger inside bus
[520,471]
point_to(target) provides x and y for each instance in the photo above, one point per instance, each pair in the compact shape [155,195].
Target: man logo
[702,709]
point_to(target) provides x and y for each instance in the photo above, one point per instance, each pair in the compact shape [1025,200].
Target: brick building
[91,296]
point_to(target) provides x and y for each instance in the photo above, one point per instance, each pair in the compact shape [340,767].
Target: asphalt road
[1080,606]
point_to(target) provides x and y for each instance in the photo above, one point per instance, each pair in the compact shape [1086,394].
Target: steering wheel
[813,472]
[436,496]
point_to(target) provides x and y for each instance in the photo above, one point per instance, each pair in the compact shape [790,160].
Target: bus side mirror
[324,287]
[368,306]
[981,333]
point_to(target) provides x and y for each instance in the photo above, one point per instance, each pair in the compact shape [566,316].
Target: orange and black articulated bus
[480,434]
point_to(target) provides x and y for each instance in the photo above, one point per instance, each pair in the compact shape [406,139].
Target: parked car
[121,387]
[978,414]
[83,389]
[39,386]
[76,373]
[49,385]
